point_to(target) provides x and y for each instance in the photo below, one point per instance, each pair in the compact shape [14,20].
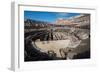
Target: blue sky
[47,16]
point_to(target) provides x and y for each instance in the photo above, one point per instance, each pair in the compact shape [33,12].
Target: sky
[50,17]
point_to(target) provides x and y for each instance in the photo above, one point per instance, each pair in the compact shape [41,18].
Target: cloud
[62,14]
